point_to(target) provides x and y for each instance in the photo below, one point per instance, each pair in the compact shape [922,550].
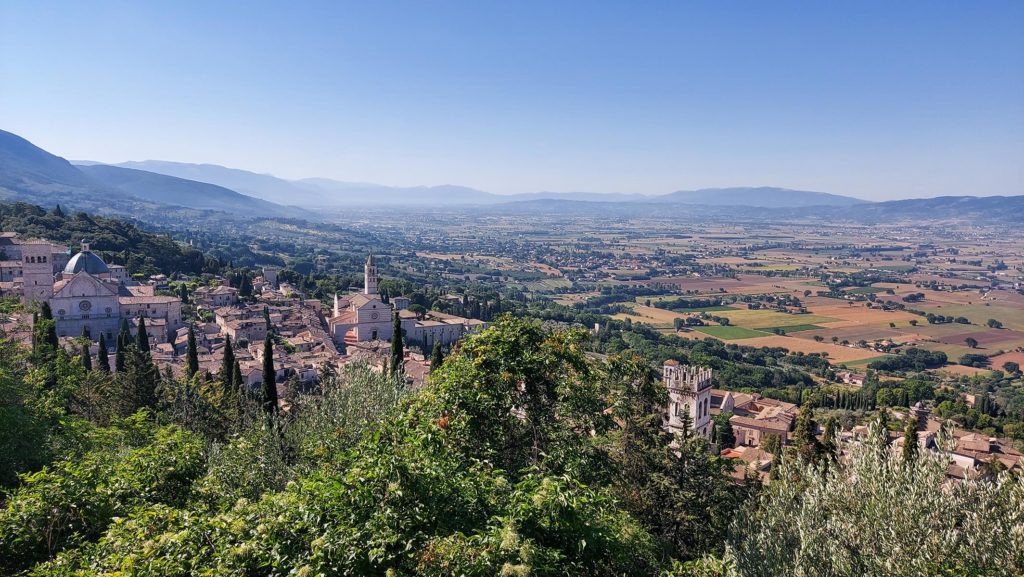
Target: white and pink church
[364,316]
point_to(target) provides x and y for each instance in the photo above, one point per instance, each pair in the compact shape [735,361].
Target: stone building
[754,416]
[366,317]
[88,297]
[689,392]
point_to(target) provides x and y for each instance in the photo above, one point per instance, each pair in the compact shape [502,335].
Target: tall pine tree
[269,397]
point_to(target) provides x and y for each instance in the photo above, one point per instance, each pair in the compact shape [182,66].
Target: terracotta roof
[344,318]
[773,425]
[156,300]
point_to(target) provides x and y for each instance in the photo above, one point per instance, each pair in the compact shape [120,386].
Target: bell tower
[37,271]
[370,277]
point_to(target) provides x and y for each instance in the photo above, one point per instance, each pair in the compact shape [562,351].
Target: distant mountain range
[762,196]
[32,174]
[326,192]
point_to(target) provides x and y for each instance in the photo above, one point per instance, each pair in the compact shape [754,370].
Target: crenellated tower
[689,392]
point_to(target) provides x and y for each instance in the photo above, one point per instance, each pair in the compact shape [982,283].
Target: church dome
[88,262]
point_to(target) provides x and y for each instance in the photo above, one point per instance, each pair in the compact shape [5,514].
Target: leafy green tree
[971,342]
[75,499]
[874,514]
[1011,367]
[725,436]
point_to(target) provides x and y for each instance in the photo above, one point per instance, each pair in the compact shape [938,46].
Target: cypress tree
[807,444]
[228,365]
[269,400]
[436,357]
[123,338]
[397,347]
[142,337]
[49,327]
[102,355]
[119,358]
[45,312]
[193,354]
[86,357]
[236,379]
[910,448]
[140,378]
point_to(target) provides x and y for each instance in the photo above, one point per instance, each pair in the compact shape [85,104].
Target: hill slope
[182,192]
[763,196]
[263,186]
[30,173]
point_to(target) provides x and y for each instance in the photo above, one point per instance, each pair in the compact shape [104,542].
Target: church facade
[87,297]
[366,317]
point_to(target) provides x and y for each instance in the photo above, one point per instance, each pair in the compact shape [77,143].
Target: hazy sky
[875,99]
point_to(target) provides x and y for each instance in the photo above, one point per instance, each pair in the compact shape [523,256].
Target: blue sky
[873,99]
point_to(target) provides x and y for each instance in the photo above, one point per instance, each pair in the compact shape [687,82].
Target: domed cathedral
[90,298]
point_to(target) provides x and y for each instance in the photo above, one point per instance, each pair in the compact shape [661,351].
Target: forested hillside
[522,456]
[116,240]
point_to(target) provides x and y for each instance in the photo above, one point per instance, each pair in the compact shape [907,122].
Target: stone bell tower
[370,277]
[689,392]
[36,270]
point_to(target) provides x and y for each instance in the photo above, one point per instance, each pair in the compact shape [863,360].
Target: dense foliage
[114,239]
[523,455]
